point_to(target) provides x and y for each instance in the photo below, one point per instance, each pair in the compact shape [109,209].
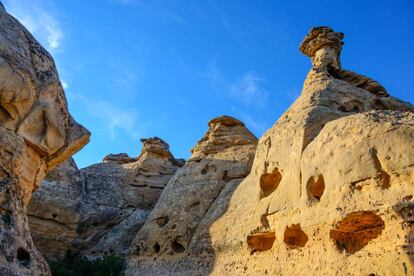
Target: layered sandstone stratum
[36,134]
[330,190]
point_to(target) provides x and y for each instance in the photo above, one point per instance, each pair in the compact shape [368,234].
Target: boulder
[174,237]
[98,210]
[36,134]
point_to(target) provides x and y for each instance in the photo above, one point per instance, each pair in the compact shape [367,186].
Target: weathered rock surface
[173,236]
[331,183]
[330,190]
[36,134]
[99,209]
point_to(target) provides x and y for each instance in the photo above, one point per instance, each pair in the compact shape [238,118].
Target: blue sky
[142,68]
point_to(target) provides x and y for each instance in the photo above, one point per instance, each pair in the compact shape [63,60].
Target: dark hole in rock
[7,219]
[260,241]
[156,248]
[162,221]
[95,224]
[349,108]
[204,170]
[269,183]
[294,237]
[225,176]
[177,247]
[378,105]
[173,226]
[407,198]
[383,179]
[54,215]
[23,257]
[9,259]
[316,187]
[194,204]
[264,221]
[356,230]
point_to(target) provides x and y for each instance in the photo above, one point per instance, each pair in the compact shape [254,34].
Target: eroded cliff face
[175,237]
[98,210]
[331,184]
[36,134]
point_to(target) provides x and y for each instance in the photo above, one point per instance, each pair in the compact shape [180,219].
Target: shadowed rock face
[98,209]
[36,134]
[197,194]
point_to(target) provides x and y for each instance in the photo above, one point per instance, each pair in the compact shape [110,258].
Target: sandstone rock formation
[99,209]
[325,180]
[192,200]
[330,190]
[36,134]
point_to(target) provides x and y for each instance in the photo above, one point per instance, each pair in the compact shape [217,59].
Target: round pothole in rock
[23,257]
[356,230]
[294,237]
[269,183]
[315,187]
[261,241]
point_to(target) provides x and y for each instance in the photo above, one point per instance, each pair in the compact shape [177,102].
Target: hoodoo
[99,209]
[175,237]
[329,191]
[331,181]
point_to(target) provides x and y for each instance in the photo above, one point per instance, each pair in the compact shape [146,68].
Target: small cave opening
[315,187]
[269,183]
[177,247]
[156,247]
[162,221]
[260,241]
[23,257]
[356,230]
[294,237]
[54,216]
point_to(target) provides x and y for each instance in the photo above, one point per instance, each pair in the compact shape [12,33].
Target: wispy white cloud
[38,19]
[246,88]
[113,117]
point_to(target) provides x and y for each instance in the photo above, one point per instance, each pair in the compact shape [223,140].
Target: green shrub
[109,265]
